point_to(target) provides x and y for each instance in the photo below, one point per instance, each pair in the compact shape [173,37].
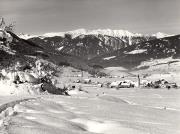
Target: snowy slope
[128,111]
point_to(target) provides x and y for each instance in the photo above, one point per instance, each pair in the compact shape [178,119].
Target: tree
[68,36]
[6,27]
[2,24]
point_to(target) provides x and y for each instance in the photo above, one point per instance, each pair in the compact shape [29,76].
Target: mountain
[132,56]
[88,44]
[28,52]
[78,32]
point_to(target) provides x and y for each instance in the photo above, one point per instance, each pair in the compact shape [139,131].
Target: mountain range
[108,32]
[89,44]
[132,56]
[86,49]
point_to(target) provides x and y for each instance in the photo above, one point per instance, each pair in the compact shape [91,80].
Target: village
[43,77]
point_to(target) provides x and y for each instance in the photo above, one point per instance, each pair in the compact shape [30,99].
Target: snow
[60,48]
[40,51]
[108,58]
[30,117]
[107,114]
[4,34]
[164,68]
[116,71]
[93,109]
[156,62]
[8,50]
[115,33]
[30,56]
[52,34]
[161,35]
[27,36]
[7,87]
[137,51]
[115,83]
[73,92]
[115,68]
[103,127]
[78,32]
[108,32]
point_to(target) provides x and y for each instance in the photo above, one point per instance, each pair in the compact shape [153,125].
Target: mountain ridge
[108,32]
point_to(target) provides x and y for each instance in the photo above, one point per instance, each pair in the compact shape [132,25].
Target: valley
[90,82]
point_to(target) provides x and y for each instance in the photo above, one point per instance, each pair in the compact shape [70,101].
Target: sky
[140,16]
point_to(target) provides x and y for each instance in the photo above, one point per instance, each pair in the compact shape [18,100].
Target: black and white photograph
[89,66]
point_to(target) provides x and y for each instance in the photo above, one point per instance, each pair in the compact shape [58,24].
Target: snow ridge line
[13,103]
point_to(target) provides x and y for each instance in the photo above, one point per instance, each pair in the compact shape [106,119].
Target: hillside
[132,56]
[28,52]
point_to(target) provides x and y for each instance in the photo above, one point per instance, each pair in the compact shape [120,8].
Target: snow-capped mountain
[90,43]
[93,42]
[88,46]
[108,32]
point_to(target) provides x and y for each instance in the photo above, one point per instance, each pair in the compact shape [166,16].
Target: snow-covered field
[92,109]
[98,110]
[166,68]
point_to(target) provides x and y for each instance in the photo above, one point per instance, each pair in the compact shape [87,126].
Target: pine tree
[2,24]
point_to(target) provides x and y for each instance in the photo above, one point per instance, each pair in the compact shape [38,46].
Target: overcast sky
[143,16]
